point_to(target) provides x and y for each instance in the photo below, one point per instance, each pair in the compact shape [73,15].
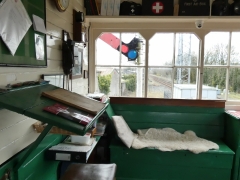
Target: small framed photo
[77,71]
[39,47]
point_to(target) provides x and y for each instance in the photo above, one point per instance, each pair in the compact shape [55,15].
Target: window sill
[232,107]
[154,19]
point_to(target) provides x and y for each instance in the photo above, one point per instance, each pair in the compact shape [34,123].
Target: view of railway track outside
[169,66]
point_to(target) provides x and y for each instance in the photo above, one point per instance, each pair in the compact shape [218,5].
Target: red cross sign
[157,7]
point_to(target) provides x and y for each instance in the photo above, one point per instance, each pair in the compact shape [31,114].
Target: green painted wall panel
[173,117]
[19,101]
[232,137]
[201,131]
[209,124]
[35,167]
[153,172]
[37,4]
[151,108]
[25,54]
[176,158]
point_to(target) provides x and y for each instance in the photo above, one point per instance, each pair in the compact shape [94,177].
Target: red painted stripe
[110,39]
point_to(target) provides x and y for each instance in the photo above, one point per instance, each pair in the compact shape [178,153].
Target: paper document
[71,147]
[39,47]
[14,23]
[38,24]
[93,145]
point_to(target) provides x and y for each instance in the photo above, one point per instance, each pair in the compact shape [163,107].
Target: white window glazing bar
[200,72]
[228,64]
[173,62]
[120,66]
[146,68]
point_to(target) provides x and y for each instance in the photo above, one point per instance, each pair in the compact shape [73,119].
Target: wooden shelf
[165,19]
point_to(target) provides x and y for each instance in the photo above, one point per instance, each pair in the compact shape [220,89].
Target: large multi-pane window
[172,67]
[221,64]
[120,64]
[168,65]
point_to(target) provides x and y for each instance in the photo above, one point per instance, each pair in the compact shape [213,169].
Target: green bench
[207,118]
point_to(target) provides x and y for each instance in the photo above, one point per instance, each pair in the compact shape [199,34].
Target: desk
[29,102]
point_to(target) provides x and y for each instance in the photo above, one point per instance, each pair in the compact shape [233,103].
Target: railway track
[161,81]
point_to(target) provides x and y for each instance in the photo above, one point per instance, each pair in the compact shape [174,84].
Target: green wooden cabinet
[232,137]
[30,164]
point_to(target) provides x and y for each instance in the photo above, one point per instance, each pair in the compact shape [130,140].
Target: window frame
[147,32]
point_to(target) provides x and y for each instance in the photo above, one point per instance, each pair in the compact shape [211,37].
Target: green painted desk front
[29,102]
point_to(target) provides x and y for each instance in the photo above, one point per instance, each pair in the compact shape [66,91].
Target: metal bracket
[33,146]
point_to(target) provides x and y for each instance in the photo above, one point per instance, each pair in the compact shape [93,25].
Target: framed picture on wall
[39,47]
[77,71]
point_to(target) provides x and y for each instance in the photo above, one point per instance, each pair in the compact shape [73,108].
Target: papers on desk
[70,152]
[14,23]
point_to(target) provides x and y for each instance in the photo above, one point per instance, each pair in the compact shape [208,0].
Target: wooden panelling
[57,21]
[168,102]
[50,5]
[17,146]
[54,54]
[54,43]
[21,126]
[20,129]
[54,30]
[54,66]
[78,4]
[9,118]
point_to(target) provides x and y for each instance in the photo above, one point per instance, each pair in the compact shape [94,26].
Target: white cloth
[14,23]
[123,131]
[167,139]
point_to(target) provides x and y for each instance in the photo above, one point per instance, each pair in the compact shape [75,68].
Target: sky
[161,47]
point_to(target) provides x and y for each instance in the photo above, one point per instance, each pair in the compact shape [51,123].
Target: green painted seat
[205,118]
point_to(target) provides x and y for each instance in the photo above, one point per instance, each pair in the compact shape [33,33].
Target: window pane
[159,83]
[185,83]
[234,84]
[133,49]
[214,83]
[161,49]
[132,83]
[107,81]
[187,49]
[216,48]
[106,49]
[235,49]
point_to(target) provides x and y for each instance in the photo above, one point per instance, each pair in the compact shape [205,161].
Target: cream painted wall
[16,131]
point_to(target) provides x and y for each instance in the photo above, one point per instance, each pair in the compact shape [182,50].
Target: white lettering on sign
[157,7]
[187,4]
[195,3]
